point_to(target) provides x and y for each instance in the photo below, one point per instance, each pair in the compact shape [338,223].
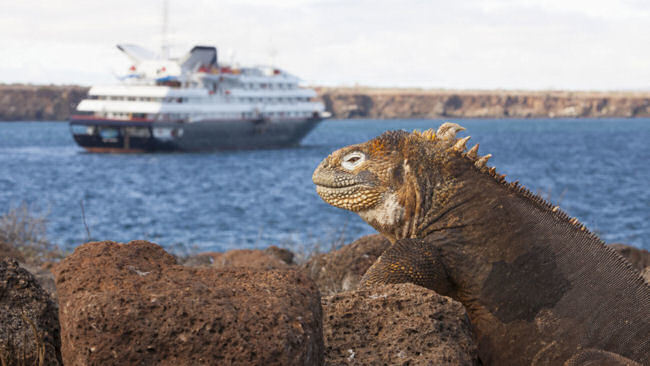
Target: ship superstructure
[195,103]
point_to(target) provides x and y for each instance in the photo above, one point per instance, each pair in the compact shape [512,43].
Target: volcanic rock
[396,324]
[639,258]
[30,333]
[342,269]
[127,304]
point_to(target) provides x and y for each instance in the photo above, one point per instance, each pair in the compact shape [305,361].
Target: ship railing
[99,118]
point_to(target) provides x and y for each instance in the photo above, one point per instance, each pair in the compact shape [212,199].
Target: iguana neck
[451,200]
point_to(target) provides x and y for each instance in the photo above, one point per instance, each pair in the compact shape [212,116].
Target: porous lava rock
[252,258]
[132,304]
[400,324]
[342,269]
[29,331]
[639,258]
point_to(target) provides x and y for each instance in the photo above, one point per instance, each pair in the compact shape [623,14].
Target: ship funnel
[199,56]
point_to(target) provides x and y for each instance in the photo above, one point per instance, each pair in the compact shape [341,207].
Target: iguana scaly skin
[539,287]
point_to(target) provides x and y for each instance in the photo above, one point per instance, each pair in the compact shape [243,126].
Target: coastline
[380,103]
[19,102]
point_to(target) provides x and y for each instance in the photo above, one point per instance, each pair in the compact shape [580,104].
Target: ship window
[82,130]
[137,131]
[108,133]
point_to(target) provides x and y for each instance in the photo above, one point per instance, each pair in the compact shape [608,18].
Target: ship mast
[164,47]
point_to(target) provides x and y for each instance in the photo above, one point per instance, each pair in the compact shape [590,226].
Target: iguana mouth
[335,182]
[353,197]
[335,185]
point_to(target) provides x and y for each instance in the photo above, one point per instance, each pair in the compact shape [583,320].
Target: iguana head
[397,181]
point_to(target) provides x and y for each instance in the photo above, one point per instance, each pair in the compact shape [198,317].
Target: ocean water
[597,170]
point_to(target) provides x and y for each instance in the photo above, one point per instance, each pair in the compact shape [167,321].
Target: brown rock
[30,333]
[639,258]
[251,258]
[396,324]
[341,270]
[126,304]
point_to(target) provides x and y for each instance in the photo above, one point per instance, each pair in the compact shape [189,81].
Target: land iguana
[539,288]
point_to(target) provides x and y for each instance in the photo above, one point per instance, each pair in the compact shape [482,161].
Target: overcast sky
[484,44]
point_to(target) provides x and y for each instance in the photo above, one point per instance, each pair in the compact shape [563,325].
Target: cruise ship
[194,103]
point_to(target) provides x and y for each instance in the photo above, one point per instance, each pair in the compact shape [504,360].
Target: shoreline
[26,102]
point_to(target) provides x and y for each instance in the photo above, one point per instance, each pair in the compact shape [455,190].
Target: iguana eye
[353,160]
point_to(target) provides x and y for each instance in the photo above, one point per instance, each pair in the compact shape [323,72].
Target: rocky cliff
[39,102]
[47,103]
[417,103]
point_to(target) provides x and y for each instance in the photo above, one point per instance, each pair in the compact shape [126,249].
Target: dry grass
[25,230]
[10,355]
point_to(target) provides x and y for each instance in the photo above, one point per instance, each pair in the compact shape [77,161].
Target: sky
[471,44]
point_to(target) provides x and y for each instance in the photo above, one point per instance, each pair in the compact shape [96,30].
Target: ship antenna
[273,52]
[164,47]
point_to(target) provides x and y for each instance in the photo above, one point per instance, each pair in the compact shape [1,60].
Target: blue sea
[596,169]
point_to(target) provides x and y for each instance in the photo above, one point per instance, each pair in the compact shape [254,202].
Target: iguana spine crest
[449,130]
[520,190]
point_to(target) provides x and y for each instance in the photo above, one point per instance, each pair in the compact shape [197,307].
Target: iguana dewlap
[539,287]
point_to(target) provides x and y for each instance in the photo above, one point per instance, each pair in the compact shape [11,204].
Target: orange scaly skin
[540,288]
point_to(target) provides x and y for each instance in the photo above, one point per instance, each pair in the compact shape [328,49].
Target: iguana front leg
[409,260]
